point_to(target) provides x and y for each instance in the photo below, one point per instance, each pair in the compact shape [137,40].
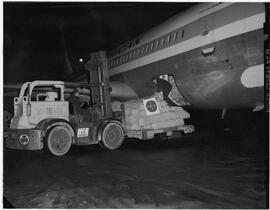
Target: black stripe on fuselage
[201,26]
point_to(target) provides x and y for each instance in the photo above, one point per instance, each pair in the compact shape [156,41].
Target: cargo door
[175,94]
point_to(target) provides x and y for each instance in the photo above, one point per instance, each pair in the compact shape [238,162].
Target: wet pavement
[212,171]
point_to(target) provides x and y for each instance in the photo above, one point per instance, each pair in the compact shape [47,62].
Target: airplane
[214,53]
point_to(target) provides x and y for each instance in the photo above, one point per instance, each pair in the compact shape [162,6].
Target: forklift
[45,118]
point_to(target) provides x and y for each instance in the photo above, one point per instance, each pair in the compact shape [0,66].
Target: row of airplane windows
[147,48]
[123,48]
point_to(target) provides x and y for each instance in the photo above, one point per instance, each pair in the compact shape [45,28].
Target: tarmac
[199,171]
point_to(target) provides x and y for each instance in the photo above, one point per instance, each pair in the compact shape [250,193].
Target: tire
[112,136]
[59,140]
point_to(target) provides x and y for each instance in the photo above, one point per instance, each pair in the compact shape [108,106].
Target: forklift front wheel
[112,136]
[59,140]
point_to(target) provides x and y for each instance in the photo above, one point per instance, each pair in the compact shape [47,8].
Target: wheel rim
[113,136]
[59,140]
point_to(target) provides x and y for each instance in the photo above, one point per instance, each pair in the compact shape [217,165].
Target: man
[164,86]
[75,100]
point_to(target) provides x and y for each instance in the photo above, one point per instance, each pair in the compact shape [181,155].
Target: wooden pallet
[149,133]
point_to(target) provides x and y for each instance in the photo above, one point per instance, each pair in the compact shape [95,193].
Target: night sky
[46,40]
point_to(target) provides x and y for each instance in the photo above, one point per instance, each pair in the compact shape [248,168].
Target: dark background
[46,40]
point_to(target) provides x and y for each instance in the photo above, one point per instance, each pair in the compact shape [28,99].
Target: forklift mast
[98,73]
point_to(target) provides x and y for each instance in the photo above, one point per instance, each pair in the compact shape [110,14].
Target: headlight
[24,139]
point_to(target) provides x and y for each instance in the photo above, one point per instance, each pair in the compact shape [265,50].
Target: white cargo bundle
[151,113]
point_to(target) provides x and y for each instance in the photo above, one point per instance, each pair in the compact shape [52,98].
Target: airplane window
[152,45]
[138,52]
[183,33]
[134,54]
[126,57]
[174,36]
[142,49]
[146,49]
[156,44]
[162,41]
[169,38]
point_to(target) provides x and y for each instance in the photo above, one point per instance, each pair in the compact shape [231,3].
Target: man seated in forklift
[74,99]
[164,86]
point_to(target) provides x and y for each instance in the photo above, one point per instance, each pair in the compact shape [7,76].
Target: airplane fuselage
[214,51]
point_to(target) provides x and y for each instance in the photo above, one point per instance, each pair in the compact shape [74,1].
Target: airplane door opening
[175,94]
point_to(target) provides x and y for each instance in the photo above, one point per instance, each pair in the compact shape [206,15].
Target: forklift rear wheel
[112,136]
[59,140]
